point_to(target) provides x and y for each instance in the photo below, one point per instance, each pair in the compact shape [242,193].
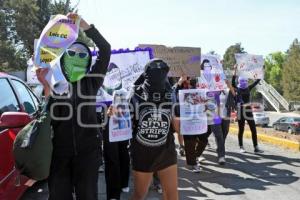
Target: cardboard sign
[250,66]
[193,119]
[181,60]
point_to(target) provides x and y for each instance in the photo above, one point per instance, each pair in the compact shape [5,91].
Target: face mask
[243,83]
[75,64]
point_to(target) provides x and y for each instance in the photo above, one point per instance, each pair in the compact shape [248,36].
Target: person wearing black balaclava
[76,148]
[243,90]
[152,146]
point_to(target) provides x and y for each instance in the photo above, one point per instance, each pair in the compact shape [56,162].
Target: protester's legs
[190,148]
[253,131]
[142,181]
[112,168]
[169,182]
[180,139]
[124,163]
[60,179]
[225,128]
[217,130]
[85,175]
[202,141]
[241,123]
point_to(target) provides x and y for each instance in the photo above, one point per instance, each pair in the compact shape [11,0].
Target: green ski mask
[76,60]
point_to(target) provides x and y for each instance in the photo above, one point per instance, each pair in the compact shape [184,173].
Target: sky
[261,26]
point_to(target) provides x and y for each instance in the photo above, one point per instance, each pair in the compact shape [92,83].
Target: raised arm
[233,82]
[254,84]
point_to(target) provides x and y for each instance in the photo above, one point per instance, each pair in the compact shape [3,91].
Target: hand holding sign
[83,24]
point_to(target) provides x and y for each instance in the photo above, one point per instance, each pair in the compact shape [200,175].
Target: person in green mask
[76,61]
[76,142]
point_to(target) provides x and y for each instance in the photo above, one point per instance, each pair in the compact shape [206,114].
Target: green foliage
[291,73]
[229,59]
[22,21]
[273,70]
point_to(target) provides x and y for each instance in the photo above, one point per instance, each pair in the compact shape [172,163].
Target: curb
[271,140]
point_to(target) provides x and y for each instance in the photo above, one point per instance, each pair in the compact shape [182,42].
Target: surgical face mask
[76,60]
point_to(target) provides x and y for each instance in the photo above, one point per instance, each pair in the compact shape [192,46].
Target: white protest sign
[250,66]
[214,79]
[120,127]
[193,119]
[123,71]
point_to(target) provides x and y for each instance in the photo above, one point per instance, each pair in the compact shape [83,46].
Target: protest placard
[123,70]
[56,37]
[214,79]
[120,128]
[193,119]
[181,60]
[250,66]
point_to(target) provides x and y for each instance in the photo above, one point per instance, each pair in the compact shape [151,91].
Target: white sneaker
[200,159]
[222,161]
[101,169]
[242,150]
[195,168]
[125,189]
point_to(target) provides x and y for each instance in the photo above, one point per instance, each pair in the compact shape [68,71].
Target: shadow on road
[241,172]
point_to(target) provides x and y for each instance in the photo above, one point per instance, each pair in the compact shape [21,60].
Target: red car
[18,106]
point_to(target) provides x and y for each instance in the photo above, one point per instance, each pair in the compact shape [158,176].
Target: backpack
[32,147]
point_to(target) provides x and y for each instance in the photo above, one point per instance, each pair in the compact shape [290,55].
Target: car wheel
[290,131]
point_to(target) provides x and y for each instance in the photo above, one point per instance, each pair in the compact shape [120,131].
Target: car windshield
[297,119]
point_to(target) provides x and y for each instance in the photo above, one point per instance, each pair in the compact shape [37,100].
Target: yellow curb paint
[270,139]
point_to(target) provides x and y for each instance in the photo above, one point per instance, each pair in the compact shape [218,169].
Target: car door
[15,97]
[8,102]
[284,124]
[281,124]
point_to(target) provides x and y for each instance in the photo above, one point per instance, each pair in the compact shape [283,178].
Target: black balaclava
[155,84]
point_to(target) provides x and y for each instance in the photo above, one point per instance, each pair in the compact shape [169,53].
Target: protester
[227,105]
[213,117]
[117,166]
[191,141]
[153,146]
[76,149]
[244,109]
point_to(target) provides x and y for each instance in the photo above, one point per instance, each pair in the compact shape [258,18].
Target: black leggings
[117,166]
[246,116]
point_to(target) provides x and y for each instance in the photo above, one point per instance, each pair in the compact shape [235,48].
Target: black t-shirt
[152,145]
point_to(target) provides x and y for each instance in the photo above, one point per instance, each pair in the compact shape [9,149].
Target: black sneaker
[181,151]
[257,150]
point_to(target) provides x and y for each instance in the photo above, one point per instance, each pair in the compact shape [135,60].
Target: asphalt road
[272,175]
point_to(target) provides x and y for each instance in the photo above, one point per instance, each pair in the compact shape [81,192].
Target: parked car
[261,118]
[18,106]
[289,124]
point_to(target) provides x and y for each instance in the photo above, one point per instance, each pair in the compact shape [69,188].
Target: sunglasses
[72,53]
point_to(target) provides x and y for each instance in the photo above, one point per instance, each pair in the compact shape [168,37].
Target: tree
[22,21]
[291,73]
[273,70]
[228,58]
